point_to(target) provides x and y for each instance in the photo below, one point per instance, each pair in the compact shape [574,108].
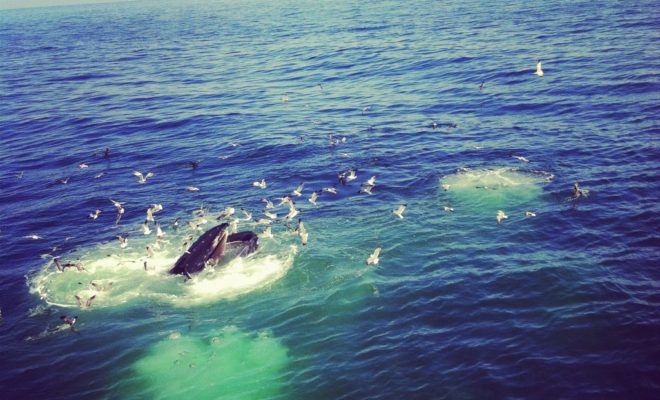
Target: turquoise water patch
[226,364]
[488,189]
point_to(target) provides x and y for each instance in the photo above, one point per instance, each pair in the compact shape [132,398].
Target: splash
[111,278]
[226,364]
[495,188]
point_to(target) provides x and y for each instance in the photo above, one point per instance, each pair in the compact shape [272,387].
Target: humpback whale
[212,246]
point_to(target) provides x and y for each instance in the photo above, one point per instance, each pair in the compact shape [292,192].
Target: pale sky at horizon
[9,4]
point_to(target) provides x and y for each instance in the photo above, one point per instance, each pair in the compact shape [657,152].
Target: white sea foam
[118,277]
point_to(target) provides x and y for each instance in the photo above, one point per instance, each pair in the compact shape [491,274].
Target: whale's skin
[210,248]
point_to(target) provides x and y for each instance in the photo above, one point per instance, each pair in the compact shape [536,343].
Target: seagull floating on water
[332,190]
[82,166]
[530,214]
[260,184]
[501,216]
[192,188]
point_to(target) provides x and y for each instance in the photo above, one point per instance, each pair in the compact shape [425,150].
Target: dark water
[560,305]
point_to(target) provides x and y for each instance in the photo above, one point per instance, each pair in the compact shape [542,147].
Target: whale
[213,246]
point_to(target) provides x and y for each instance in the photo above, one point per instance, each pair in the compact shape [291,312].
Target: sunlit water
[563,304]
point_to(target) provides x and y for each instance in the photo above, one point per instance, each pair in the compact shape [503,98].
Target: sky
[5,4]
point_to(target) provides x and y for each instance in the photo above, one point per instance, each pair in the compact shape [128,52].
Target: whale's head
[208,248]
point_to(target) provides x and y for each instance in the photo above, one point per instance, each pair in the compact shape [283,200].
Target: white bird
[347,176]
[226,213]
[302,232]
[150,252]
[312,199]
[83,166]
[267,233]
[95,214]
[64,181]
[298,190]
[366,189]
[521,158]
[285,200]
[123,241]
[268,203]
[332,190]
[399,211]
[371,181]
[445,186]
[539,71]
[530,214]
[142,178]
[120,210]
[270,215]
[100,174]
[260,184]
[192,188]
[284,98]
[248,215]
[501,216]
[145,228]
[448,209]
[159,231]
[233,225]
[373,257]
[293,211]
[85,304]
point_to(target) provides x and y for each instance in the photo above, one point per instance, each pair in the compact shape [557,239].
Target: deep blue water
[561,305]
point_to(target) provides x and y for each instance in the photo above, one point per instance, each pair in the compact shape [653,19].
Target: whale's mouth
[125,277]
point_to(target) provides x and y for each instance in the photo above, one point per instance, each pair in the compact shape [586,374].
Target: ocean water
[563,304]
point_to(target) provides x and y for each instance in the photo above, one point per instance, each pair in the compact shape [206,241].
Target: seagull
[86,304]
[448,209]
[248,215]
[226,213]
[159,231]
[312,199]
[373,257]
[33,237]
[268,203]
[267,233]
[521,158]
[123,241]
[332,190]
[145,228]
[366,189]
[578,192]
[61,267]
[284,98]
[347,176]
[95,214]
[192,188]
[150,252]
[64,181]
[260,184]
[445,186]
[100,174]
[83,166]
[293,211]
[371,181]
[302,232]
[399,211]
[142,178]
[270,215]
[120,209]
[530,214]
[298,190]
[501,216]
[539,71]
[69,320]
[286,200]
